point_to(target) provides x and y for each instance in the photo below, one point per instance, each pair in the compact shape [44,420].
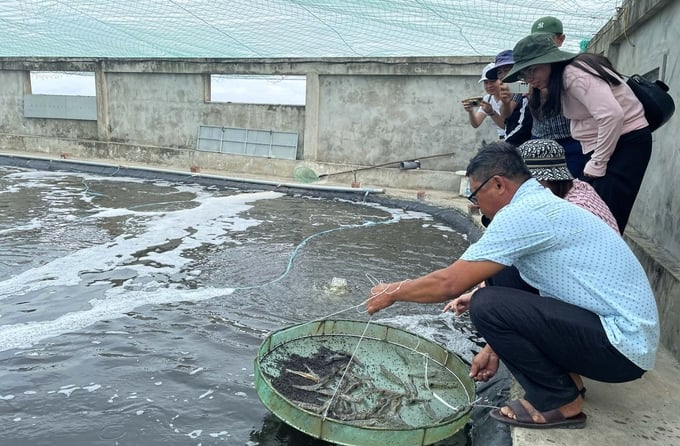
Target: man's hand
[460,304]
[435,287]
[487,108]
[484,365]
[380,297]
[468,106]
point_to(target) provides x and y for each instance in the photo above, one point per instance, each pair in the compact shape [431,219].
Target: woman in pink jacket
[605,115]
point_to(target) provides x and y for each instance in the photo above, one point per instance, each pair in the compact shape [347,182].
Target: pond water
[131,310]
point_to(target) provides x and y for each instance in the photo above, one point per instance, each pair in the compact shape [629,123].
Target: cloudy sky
[288,90]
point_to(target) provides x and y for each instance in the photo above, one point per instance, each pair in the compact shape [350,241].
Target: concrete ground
[639,413]
[645,412]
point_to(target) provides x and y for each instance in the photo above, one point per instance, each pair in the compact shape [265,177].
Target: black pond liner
[484,431]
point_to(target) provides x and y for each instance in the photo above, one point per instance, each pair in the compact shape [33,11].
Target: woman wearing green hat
[606,116]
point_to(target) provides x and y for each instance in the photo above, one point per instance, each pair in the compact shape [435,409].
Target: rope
[335,392]
[297,249]
[426,357]
[372,280]
[97,194]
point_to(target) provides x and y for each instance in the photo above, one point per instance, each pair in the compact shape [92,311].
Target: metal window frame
[247,141]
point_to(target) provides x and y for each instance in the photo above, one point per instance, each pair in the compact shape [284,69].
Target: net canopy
[285,28]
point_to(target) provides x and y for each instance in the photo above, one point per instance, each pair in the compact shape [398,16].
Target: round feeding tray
[357,383]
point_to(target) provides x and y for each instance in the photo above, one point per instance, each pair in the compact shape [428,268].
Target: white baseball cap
[485,71]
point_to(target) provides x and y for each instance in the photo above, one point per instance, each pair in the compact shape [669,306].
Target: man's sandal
[553,418]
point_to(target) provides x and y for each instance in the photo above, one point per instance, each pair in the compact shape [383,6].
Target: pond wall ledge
[104,168]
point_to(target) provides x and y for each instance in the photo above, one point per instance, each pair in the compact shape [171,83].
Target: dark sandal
[553,418]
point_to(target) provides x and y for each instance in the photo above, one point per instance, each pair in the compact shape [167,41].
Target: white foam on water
[68,390]
[36,178]
[444,228]
[207,223]
[399,214]
[117,302]
[195,434]
[210,222]
[10,190]
[439,327]
[31,226]
[92,387]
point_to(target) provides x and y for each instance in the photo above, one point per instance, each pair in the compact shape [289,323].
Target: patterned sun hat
[545,160]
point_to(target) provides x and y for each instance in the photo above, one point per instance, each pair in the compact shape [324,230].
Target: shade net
[286,28]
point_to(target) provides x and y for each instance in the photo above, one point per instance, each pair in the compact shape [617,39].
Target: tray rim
[349,434]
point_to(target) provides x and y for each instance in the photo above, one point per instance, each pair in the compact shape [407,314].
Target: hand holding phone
[518,87]
[474,101]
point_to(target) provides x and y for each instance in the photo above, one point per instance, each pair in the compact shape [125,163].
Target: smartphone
[475,101]
[518,87]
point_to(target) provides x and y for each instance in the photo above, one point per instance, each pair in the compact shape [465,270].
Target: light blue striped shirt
[570,254]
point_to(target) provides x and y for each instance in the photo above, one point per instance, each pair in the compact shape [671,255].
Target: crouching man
[594,314]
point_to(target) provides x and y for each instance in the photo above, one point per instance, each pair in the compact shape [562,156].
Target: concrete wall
[402,117]
[359,112]
[652,45]
[165,109]
[13,85]
[643,38]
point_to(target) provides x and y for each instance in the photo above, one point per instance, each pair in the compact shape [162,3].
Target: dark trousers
[573,154]
[626,168]
[541,340]
[509,277]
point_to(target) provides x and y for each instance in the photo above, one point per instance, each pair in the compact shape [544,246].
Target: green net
[305,174]
[285,28]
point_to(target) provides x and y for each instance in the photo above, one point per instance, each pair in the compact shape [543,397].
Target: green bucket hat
[535,49]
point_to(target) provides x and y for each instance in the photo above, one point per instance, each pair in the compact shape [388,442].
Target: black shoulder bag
[658,104]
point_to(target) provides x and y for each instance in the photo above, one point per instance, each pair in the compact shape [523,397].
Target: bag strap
[659,82]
